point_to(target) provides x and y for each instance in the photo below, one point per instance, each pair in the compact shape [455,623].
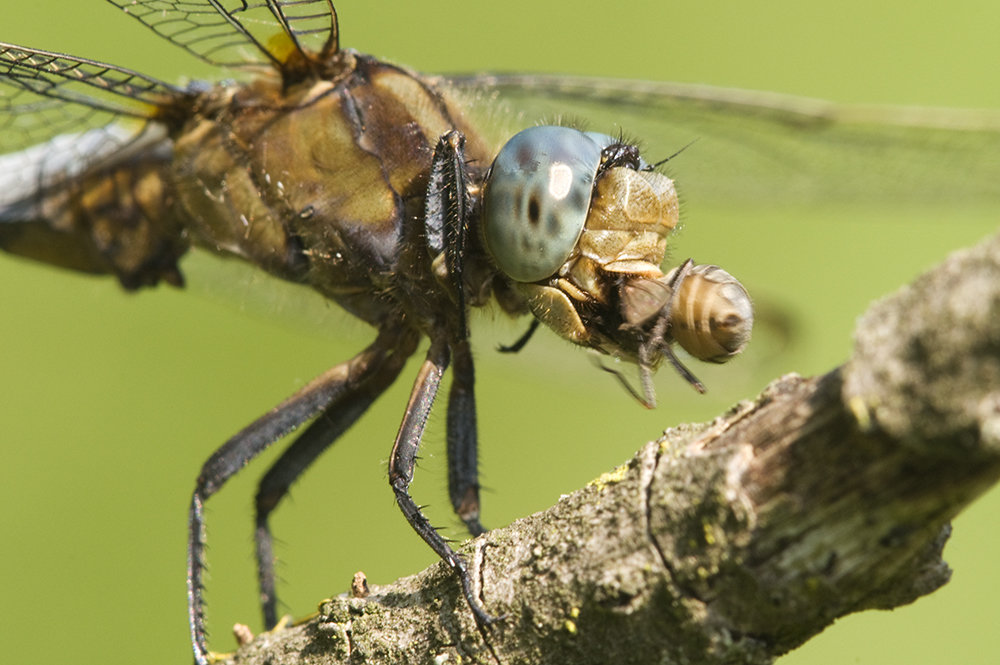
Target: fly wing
[220,31]
[753,148]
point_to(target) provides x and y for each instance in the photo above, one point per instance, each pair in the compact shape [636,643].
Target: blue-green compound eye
[536,200]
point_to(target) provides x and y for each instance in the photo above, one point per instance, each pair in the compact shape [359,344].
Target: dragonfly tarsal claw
[213,657]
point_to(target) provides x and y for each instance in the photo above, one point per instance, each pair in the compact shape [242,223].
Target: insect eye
[536,200]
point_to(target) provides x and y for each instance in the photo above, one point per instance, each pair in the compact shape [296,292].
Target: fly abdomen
[713,314]
[75,203]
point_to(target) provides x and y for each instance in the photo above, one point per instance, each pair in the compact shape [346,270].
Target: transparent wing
[236,33]
[747,148]
[45,94]
[756,153]
[61,116]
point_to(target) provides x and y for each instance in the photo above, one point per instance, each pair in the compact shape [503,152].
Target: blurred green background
[110,403]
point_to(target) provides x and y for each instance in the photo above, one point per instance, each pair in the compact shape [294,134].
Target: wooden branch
[734,540]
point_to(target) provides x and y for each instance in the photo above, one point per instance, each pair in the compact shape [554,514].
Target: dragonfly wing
[749,148]
[220,31]
[44,94]
[62,116]
[83,149]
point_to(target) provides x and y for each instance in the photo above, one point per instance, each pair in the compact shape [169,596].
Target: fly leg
[237,452]
[522,340]
[322,433]
[446,225]
[403,459]
[657,342]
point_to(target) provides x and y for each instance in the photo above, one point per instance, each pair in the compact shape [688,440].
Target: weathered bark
[736,540]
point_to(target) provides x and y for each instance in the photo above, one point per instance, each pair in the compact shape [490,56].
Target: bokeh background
[109,403]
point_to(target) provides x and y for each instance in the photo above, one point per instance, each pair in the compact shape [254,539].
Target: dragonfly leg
[463,466]
[323,432]
[446,218]
[247,444]
[446,224]
[402,462]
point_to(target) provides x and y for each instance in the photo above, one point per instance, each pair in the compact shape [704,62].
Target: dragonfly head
[580,229]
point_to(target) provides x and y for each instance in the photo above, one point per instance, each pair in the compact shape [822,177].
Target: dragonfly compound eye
[536,199]
[713,315]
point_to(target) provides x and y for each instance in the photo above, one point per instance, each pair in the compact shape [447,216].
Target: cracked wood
[734,540]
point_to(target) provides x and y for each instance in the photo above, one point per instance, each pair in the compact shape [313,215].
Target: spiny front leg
[446,220]
[402,462]
[463,440]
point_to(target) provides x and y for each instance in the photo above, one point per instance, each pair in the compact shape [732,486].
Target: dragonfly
[144,108]
[363,181]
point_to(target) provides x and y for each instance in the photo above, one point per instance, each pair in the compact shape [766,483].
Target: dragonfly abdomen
[86,202]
